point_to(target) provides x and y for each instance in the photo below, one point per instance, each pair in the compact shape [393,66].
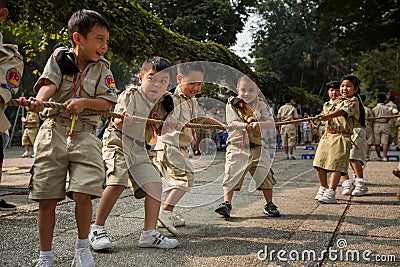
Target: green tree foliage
[286,44]
[379,70]
[135,35]
[202,20]
[359,25]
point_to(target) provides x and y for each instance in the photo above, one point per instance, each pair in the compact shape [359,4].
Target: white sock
[148,232]
[47,255]
[167,212]
[97,227]
[82,243]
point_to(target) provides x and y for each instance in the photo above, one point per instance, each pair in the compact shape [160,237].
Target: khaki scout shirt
[96,79]
[341,123]
[368,114]
[261,112]
[11,68]
[32,117]
[186,110]
[381,110]
[287,112]
[136,103]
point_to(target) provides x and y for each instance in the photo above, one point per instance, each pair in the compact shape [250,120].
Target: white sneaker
[361,187]
[167,221]
[178,220]
[329,197]
[320,192]
[348,187]
[25,155]
[31,154]
[43,262]
[384,159]
[99,239]
[156,240]
[83,258]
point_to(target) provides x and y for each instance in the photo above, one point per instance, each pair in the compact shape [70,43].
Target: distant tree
[359,25]
[202,20]
[286,44]
[135,33]
[379,70]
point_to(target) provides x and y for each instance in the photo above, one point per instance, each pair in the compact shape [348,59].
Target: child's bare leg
[152,205]
[83,213]
[172,198]
[267,194]
[378,150]
[357,168]
[334,180]
[107,201]
[46,222]
[322,177]
[385,150]
[228,195]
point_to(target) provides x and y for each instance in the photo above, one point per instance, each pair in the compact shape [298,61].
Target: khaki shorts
[29,136]
[359,138]
[54,161]
[239,162]
[141,169]
[288,135]
[177,170]
[381,133]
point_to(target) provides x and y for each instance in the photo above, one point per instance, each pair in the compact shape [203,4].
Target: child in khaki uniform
[357,186]
[252,157]
[81,78]
[31,123]
[333,93]
[381,126]
[289,131]
[11,68]
[172,156]
[127,159]
[368,127]
[333,151]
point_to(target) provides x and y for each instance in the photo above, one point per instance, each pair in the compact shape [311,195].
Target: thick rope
[104,113]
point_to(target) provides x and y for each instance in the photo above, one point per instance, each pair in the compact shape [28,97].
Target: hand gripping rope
[23,102]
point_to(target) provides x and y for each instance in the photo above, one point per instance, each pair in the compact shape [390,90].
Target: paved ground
[358,230]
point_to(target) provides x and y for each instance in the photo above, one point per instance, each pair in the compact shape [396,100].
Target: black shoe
[224,209]
[271,210]
[6,206]
[292,158]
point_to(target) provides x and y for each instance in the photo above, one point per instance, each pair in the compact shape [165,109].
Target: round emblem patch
[110,82]
[13,78]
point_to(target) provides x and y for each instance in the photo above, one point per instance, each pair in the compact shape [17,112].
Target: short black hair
[363,97]
[353,79]
[184,68]
[392,98]
[332,84]
[82,21]
[250,77]
[380,98]
[288,98]
[155,63]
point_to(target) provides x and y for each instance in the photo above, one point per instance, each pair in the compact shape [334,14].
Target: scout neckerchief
[190,104]
[75,116]
[153,113]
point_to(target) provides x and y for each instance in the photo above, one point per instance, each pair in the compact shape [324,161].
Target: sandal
[396,172]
